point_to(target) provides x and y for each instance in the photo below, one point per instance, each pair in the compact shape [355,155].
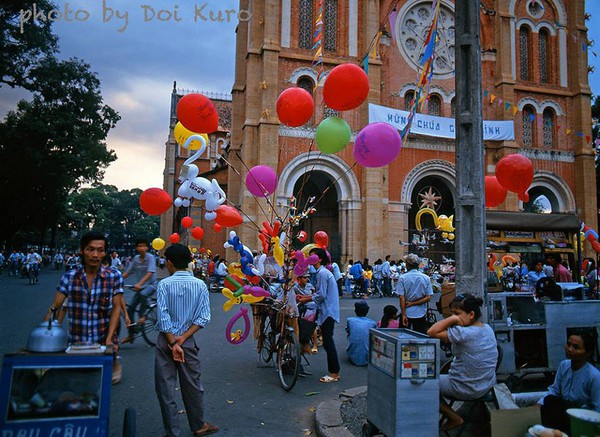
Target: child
[390,318]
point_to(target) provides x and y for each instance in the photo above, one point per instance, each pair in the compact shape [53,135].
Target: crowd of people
[183,309]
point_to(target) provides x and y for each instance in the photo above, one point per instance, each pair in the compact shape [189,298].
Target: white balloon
[210,216]
[185,203]
[178,202]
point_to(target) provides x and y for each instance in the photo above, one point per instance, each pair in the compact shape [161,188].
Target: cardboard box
[514,422]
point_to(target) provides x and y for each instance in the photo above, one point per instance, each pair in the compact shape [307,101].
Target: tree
[52,145]
[24,44]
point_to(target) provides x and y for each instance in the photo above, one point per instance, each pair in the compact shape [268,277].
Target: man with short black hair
[95,297]
[414,288]
[561,273]
[358,334]
[183,309]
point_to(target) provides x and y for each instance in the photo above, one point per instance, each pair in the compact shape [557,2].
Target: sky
[139,48]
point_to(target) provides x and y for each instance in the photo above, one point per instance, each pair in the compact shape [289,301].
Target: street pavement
[240,397]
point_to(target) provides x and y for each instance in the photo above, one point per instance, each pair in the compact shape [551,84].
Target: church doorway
[432,192]
[320,186]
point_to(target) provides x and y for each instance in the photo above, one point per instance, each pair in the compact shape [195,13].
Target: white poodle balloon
[194,187]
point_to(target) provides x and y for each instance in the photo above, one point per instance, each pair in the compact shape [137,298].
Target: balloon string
[245,185]
[332,184]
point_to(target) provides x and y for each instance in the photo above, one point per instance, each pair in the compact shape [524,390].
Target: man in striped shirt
[183,309]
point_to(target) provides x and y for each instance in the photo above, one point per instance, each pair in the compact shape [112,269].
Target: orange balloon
[515,172]
[155,201]
[217,227]
[495,193]
[228,216]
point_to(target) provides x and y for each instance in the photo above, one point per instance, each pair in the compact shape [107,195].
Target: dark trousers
[140,299]
[554,413]
[166,372]
[387,286]
[333,365]
[339,285]
[419,325]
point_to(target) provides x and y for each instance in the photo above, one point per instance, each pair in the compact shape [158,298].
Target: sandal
[329,378]
[128,339]
[314,351]
[207,428]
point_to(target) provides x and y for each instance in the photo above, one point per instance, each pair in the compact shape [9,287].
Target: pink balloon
[261,180]
[377,144]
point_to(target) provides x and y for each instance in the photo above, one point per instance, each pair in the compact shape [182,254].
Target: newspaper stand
[55,394]
[403,376]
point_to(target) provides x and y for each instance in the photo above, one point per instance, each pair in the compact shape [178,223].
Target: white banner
[441,127]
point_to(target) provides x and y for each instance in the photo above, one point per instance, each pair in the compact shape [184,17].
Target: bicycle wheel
[31,275]
[266,348]
[288,360]
[149,328]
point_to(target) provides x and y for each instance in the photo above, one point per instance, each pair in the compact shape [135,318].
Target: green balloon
[333,134]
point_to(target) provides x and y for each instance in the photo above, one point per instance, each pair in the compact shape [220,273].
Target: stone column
[470,211]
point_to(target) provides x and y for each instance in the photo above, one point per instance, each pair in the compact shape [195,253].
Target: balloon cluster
[513,173]
[592,236]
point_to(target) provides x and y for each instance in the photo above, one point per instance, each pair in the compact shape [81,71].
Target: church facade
[534,63]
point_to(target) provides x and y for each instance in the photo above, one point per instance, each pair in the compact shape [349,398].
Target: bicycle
[33,271]
[149,328]
[278,337]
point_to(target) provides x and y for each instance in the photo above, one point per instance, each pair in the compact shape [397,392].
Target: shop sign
[530,248]
[518,234]
[492,233]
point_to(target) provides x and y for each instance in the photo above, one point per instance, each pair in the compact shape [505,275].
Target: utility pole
[470,209]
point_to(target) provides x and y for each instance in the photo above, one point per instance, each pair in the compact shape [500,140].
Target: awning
[527,221]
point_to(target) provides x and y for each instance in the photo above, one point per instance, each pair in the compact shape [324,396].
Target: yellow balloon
[450,237]
[182,134]
[277,251]
[235,268]
[425,211]
[194,250]
[158,243]
[306,249]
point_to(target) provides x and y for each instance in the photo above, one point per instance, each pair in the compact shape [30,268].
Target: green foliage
[52,145]
[23,45]
[106,209]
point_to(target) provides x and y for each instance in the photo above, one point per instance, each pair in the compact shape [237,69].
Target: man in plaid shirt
[95,295]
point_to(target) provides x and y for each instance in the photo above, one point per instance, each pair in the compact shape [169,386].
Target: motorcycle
[216,284]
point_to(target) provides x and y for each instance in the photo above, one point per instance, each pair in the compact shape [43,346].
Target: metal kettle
[48,336]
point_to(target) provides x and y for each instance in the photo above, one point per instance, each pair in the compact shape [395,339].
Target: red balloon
[174,238]
[202,250]
[229,284]
[295,106]
[302,236]
[596,246]
[495,193]
[197,113]
[217,227]
[228,216]
[187,222]
[524,197]
[346,87]
[515,173]
[198,233]
[155,201]
[322,239]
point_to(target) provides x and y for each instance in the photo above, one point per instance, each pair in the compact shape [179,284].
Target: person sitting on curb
[358,334]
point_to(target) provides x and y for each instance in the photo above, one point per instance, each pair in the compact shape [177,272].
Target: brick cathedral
[535,74]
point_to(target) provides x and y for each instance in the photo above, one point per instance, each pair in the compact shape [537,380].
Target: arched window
[549,122]
[330,25]
[528,125]
[453,108]
[408,100]
[305,34]
[524,52]
[305,82]
[543,40]
[435,105]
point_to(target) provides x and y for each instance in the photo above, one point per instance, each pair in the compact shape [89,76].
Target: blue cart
[57,395]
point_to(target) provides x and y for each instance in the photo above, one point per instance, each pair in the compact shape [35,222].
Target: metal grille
[306,24]
[548,128]
[543,46]
[331,112]
[453,108]
[523,48]
[435,105]
[306,83]
[330,24]
[527,126]
[408,100]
